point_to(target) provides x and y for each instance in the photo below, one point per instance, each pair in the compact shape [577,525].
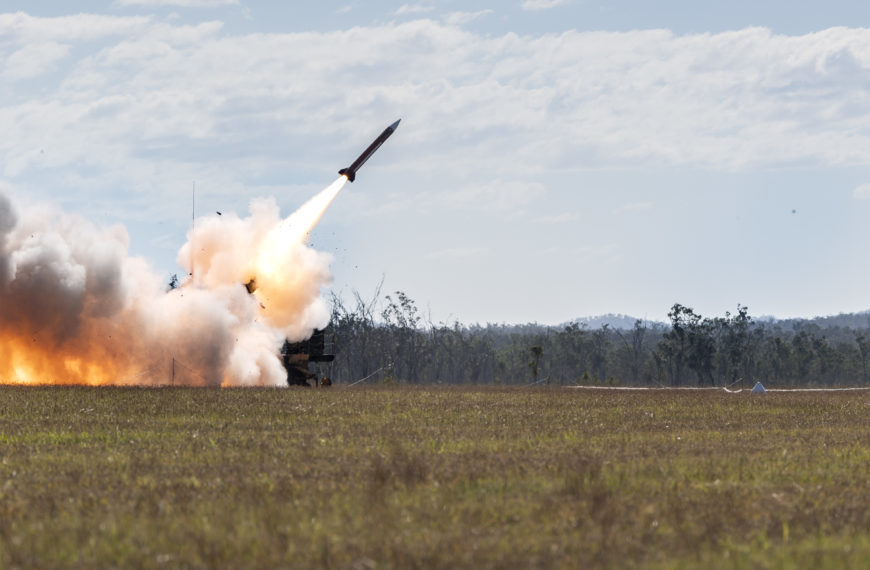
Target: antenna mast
[192,223]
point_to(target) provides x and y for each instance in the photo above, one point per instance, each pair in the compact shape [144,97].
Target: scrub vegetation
[389,339]
[407,477]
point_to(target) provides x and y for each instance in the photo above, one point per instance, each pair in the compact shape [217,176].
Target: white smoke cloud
[76,308]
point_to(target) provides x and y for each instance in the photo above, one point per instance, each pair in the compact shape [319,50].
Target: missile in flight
[350,171]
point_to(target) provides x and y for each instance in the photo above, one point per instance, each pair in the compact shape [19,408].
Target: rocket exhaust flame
[75,308]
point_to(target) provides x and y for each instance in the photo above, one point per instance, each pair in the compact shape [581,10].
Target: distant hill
[843,322]
[614,321]
[860,320]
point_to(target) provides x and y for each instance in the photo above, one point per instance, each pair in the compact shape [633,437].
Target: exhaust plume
[76,308]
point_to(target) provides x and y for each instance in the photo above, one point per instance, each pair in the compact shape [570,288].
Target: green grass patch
[429,478]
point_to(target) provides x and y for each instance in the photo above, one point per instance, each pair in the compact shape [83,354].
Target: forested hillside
[389,340]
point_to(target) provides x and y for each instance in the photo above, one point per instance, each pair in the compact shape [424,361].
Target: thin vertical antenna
[192,222]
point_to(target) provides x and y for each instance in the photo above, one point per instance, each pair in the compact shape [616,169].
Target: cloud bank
[138,92]
[179,3]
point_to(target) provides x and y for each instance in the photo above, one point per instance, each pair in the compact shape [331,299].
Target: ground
[432,477]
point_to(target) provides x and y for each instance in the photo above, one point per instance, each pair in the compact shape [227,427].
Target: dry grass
[428,478]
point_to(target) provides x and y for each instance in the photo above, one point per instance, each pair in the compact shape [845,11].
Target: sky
[556,159]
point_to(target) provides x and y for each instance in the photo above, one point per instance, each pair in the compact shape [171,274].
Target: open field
[404,478]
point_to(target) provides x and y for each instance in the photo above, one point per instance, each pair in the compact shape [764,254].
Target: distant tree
[802,348]
[537,352]
[778,358]
[673,349]
[570,348]
[702,349]
[359,350]
[634,345]
[864,352]
[600,349]
[402,320]
[734,340]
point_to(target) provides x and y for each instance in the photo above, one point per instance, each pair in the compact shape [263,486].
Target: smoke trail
[76,308]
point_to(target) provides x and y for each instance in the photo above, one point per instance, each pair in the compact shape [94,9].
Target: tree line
[389,340]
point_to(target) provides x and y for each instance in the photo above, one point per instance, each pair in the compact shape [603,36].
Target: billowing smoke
[75,308]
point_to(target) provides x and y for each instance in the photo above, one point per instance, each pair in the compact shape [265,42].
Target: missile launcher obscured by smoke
[76,308]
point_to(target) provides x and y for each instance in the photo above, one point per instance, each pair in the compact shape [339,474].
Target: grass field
[428,478]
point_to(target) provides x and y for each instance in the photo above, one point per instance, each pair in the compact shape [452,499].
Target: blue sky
[555,159]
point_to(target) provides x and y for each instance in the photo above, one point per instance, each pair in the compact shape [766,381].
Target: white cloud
[179,3]
[463,18]
[33,60]
[862,192]
[534,5]
[21,27]
[166,102]
[412,9]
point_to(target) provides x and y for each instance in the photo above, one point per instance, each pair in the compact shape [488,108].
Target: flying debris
[350,171]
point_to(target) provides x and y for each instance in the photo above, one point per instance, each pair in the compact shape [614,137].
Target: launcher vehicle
[297,356]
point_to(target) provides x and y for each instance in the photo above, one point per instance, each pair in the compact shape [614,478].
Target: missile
[350,171]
